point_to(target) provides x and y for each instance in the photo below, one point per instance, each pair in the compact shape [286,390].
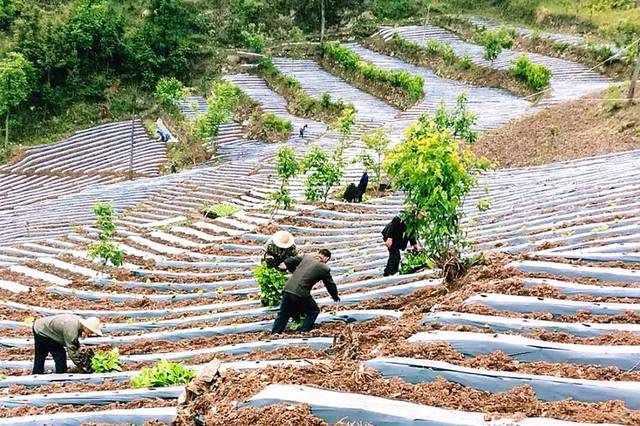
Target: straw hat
[92,324]
[283,239]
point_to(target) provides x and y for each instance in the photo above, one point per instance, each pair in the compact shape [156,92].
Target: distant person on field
[58,335]
[302,130]
[280,247]
[162,131]
[395,238]
[296,296]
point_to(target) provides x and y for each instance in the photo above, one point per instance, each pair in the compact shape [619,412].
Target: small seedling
[106,362]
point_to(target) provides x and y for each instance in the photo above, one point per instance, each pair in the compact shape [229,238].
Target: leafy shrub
[165,373]
[286,167]
[465,62]
[221,107]
[536,76]
[484,205]
[378,142]
[364,25]
[458,121]
[106,362]
[325,173]
[442,49]
[169,91]
[413,261]
[599,52]
[274,123]
[220,210]
[435,171]
[106,249]
[494,41]
[253,38]
[270,282]
[411,85]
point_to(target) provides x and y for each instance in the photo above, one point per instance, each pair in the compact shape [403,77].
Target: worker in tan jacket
[58,335]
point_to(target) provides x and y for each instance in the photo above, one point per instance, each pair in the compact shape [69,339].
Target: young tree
[170,91]
[435,169]
[325,173]
[287,167]
[16,84]
[378,142]
[494,41]
[345,127]
[106,249]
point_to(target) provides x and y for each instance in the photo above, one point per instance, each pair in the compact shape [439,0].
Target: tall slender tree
[16,84]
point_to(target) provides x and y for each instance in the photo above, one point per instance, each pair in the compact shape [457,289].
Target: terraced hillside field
[546,333]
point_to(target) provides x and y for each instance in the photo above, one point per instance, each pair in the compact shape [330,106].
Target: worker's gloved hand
[336,299]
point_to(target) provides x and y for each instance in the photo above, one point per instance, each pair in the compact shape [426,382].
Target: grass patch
[220,210]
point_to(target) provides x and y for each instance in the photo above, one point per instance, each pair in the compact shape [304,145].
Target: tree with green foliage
[345,126]
[325,173]
[170,91]
[16,84]
[106,248]
[494,41]
[536,76]
[222,104]
[459,121]
[435,170]
[286,167]
[271,282]
[377,142]
[435,175]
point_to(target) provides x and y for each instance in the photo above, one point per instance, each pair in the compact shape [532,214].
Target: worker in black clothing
[395,238]
[296,296]
[362,186]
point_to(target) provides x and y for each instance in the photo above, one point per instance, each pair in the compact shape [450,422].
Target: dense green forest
[85,61]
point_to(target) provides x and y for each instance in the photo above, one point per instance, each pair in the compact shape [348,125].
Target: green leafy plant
[273,128]
[286,167]
[165,373]
[378,142]
[296,325]
[413,261]
[465,62]
[324,174]
[483,205]
[220,210]
[435,171]
[106,362]
[345,127]
[222,104]
[254,38]
[536,76]
[16,84]
[270,282]
[106,249]
[170,91]
[494,41]
[458,121]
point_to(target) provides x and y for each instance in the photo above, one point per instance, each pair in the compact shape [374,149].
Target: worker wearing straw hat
[280,246]
[55,334]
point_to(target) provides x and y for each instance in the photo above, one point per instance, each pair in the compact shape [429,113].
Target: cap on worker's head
[283,239]
[93,324]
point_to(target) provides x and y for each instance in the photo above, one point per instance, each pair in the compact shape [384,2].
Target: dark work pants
[44,346]
[393,264]
[294,306]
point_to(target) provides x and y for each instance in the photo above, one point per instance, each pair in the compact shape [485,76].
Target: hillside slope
[588,126]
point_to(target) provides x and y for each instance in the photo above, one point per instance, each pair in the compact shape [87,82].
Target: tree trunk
[635,76]
[322,21]
[6,131]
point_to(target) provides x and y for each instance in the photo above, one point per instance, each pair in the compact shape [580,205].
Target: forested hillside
[87,61]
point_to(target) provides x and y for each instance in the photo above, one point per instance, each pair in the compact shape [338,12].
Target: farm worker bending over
[296,296]
[280,246]
[51,335]
[395,238]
